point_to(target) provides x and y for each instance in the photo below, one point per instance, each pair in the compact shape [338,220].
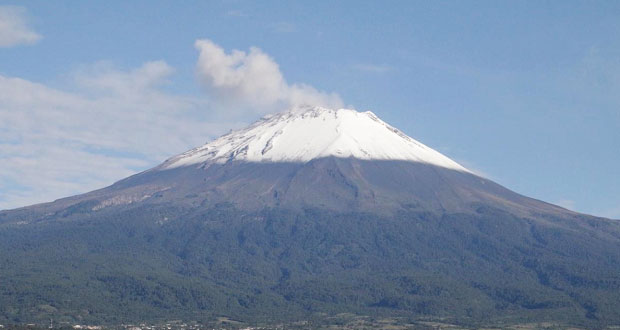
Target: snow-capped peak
[306,133]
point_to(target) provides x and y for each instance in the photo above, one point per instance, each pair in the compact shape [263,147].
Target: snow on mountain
[307,133]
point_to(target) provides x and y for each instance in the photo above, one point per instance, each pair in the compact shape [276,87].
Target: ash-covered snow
[307,133]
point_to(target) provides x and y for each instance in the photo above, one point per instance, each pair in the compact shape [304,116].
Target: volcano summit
[303,214]
[304,134]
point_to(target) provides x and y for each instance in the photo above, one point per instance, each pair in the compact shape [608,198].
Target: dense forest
[165,262]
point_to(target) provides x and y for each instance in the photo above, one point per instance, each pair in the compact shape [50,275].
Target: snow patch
[307,133]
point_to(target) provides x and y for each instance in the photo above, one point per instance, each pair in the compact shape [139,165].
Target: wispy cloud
[612,213]
[373,68]
[55,143]
[253,81]
[102,77]
[567,204]
[596,78]
[284,27]
[14,29]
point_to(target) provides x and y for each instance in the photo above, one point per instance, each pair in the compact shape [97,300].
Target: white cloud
[253,80]
[56,143]
[14,29]
[103,77]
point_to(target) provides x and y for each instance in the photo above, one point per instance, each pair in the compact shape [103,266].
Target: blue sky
[526,93]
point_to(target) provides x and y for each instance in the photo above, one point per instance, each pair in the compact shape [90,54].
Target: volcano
[302,215]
